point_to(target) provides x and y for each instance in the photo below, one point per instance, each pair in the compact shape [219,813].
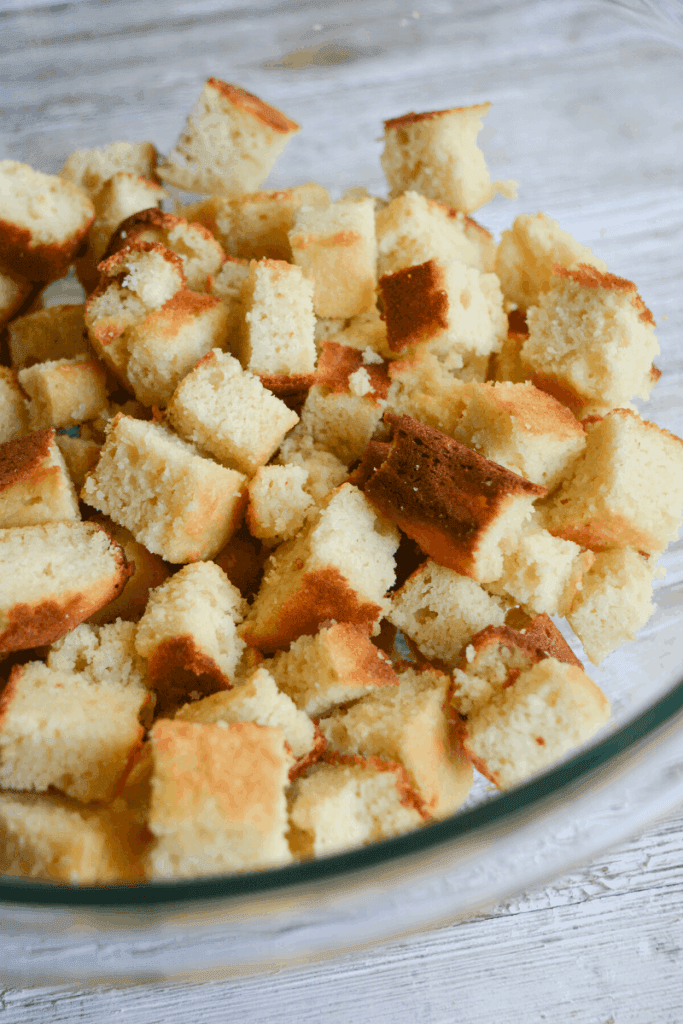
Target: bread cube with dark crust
[57,332]
[35,486]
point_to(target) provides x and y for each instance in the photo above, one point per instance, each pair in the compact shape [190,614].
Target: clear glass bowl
[587,118]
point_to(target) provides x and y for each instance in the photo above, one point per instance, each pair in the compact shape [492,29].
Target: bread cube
[228,414]
[367,332]
[149,571]
[230,142]
[277,333]
[492,661]
[436,153]
[15,292]
[421,387]
[507,364]
[80,456]
[278,503]
[91,168]
[226,285]
[218,801]
[48,334]
[325,470]
[337,247]
[64,392]
[35,486]
[107,655]
[13,408]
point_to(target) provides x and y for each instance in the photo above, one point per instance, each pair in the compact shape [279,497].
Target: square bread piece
[422,387]
[626,489]
[408,724]
[218,798]
[436,153]
[614,602]
[43,220]
[188,633]
[91,168]
[80,456]
[149,571]
[179,505]
[527,253]
[277,335]
[325,470]
[278,503]
[337,247]
[15,291]
[591,340]
[339,567]
[52,577]
[338,664]
[35,486]
[351,802]
[228,413]
[507,364]
[64,392]
[441,611]
[524,429]
[230,142]
[107,654]
[412,229]
[48,334]
[226,285]
[549,710]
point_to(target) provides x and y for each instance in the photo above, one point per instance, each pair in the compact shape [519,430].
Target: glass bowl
[587,118]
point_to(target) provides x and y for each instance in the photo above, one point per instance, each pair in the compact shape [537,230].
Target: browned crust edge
[178,668]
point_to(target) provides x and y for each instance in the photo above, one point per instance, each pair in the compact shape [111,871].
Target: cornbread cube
[35,486]
[278,502]
[54,576]
[337,247]
[591,340]
[149,571]
[218,798]
[367,332]
[338,664]
[551,709]
[230,142]
[626,489]
[408,724]
[339,567]
[507,365]
[328,327]
[54,333]
[64,392]
[15,291]
[13,409]
[228,414]
[80,456]
[527,253]
[188,633]
[279,324]
[436,153]
[107,655]
[257,699]
[441,611]
[614,602]
[351,802]
[227,286]
[423,388]
[492,661]
[325,470]
[242,560]
[523,429]
[413,229]
[91,168]
[43,221]
[69,730]
[178,504]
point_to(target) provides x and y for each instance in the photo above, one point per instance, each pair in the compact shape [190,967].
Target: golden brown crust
[460,733]
[590,277]
[38,262]
[546,638]
[357,658]
[315,753]
[538,412]
[129,229]
[251,104]
[179,671]
[428,115]
[415,304]
[338,362]
[20,459]
[561,392]
[113,265]
[292,389]
[337,240]
[242,560]
[408,795]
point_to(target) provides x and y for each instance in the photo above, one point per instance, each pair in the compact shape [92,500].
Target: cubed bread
[325,470]
[80,456]
[54,576]
[227,285]
[339,567]
[278,503]
[337,247]
[441,611]
[91,168]
[436,154]
[423,388]
[591,340]
[149,571]
[188,633]
[218,798]
[107,655]
[277,335]
[15,292]
[626,490]
[230,142]
[339,664]
[412,229]
[48,334]
[527,253]
[178,504]
[615,601]
[549,710]
[35,486]
[507,364]
[64,392]
[43,220]
[367,332]
[408,724]
[228,414]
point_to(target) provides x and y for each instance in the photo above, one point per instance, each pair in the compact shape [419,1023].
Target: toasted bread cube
[91,168]
[549,710]
[436,153]
[230,142]
[614,602]
[48,334]
[413,229]
[325,470]
[227,286]
[54,576]
[441,611]
[493,659]
[408,724]
[626,489]
[188,633]
[507,364]
[149,571]
[13,407]
[421,387]
[64,392]
[338,664]
[107,654]
[80,456]
[527,253]
[337,247]
[218,798]
[351,802]
[278,503]
[43,220]
[339,567]
[35,486]
[591,340]
[277,335]
[14,292]
[227,413]
[367,332]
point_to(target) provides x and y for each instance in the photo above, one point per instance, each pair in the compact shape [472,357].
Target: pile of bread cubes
[279,430]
